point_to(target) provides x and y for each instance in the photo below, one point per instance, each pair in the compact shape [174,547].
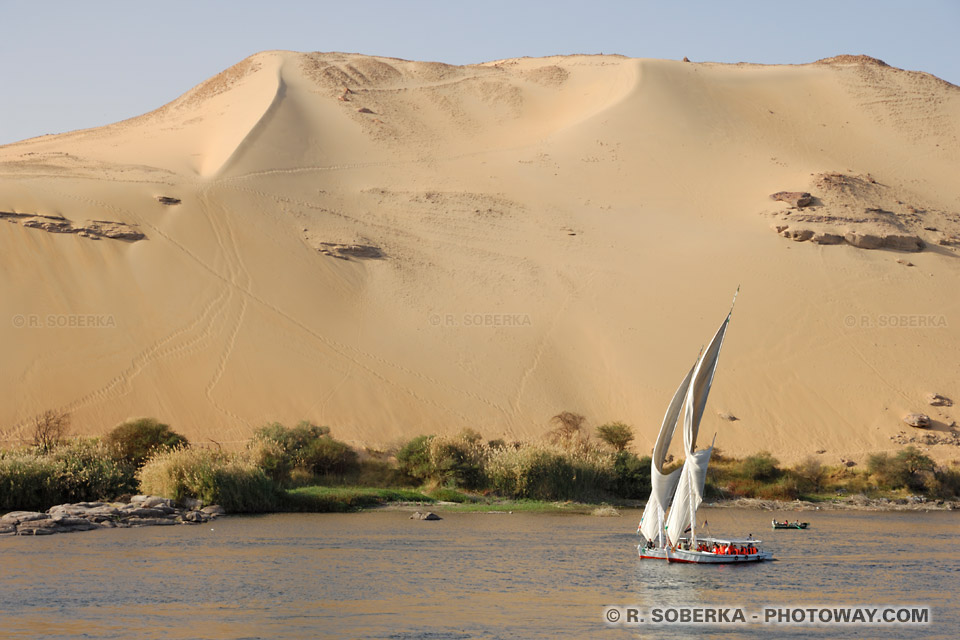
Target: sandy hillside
[394,248]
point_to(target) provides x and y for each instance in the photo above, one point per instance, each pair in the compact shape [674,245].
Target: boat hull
[701,557]
[802,525]
[705,557]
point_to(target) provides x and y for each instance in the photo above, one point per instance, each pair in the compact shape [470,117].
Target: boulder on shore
[918,420]
[429,515]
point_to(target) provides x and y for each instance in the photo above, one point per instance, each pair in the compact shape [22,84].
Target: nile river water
[379,574]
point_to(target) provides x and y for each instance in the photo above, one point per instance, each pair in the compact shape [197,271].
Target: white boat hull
[701,557]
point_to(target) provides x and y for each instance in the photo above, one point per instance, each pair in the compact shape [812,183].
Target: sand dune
[393,248]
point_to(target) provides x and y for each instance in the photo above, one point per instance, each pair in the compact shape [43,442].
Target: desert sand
[393,248]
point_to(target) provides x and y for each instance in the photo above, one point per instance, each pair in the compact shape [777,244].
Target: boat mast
[693,511]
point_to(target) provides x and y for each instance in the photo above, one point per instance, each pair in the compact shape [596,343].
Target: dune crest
[394,247]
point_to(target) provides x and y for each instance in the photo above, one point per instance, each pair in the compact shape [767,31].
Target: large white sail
[693,474]
[663,485]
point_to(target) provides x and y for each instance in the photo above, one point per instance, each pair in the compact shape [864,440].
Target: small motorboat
[790,525]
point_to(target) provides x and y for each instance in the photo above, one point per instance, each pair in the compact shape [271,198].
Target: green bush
[325,456]
[457,461]
[136,440]
[231,480]
[294,439]
[811,475]
[909,468]
[946,483]
[271,457]
[87,471]
[760,466]
[632,476]
[73,471]
[551,472]
[786,487]
[27,481]
[617,434]
[413,459]
[307,447]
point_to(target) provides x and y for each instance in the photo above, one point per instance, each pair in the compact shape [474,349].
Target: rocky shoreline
[852,503]
[140,511]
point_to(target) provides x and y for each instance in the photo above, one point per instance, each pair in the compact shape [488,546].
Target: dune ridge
[395,247]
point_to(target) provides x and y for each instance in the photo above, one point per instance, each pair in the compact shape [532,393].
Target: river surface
[379,574]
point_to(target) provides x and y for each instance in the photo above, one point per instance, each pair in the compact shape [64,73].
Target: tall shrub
[230,480]
[136,440]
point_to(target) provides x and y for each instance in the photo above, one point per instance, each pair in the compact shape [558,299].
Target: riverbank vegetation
[304,468]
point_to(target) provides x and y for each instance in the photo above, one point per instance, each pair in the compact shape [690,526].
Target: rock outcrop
[141,511]
[798,199]
[918,420]
[429,515]
[937,400]
[894,241]
[91,229]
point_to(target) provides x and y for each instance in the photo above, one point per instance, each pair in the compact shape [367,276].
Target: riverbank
[143,511]
[847,503]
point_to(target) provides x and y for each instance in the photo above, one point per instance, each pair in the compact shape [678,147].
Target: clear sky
[67,65]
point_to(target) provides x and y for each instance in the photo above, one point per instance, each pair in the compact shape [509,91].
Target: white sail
[663,485]
[689,495]
[693,474]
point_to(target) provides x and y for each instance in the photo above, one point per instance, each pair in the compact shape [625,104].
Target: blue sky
[69,65]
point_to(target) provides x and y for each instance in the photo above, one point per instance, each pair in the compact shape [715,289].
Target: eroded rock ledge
[862,212]
[141,511]
[91,229]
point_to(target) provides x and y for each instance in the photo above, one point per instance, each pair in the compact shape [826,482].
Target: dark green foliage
[325,456]
[413,458]
[632,476]
[87,472]
[457,462]
[137,440]
[214,477]
[946,483]
[307,447]
[74,471]
[811,475]
[551,473]
[292,439]
[760,466]
[617,434]
[909,468]
[340,499]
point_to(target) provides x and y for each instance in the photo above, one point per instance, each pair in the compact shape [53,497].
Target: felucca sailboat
[671,512]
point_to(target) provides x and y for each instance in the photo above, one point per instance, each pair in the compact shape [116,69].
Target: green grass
[317,499]
[519,506]
[325,499]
